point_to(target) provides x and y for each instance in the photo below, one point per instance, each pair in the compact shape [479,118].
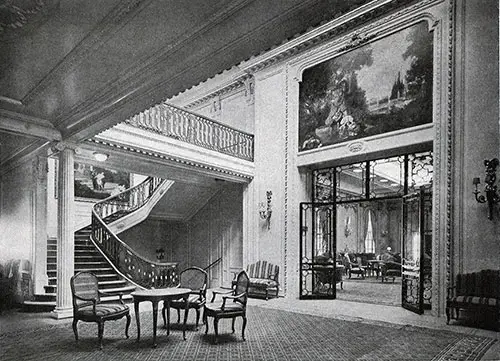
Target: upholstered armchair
[356,267]
[196,279]
[87,304]
[233,304]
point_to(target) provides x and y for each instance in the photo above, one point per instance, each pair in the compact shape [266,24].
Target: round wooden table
[155,296]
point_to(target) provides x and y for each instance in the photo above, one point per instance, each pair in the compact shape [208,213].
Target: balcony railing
[180,124]
[144,272]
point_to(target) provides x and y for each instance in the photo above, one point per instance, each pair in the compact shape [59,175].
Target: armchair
[196,279]
[356,267]
[233,304]
[87,304]
[390,269]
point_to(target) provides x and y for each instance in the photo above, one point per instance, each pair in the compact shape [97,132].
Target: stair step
[110,277]
[96,271]
[46,297]
[126,298]
[104,285]
[38,306]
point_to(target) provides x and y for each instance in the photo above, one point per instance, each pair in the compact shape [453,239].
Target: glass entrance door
[412,247]
[318,271]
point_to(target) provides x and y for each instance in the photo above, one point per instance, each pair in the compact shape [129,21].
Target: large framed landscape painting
[379,87]
[93,182]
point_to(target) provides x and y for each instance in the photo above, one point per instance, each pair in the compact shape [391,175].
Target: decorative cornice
[220,91]
[321,35]
[335,28]
[130,149]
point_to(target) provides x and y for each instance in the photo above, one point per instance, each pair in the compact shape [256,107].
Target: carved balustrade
[183,125]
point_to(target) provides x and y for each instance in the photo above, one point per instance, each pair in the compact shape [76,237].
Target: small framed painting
[93,182]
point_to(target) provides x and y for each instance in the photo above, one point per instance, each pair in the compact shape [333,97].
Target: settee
[478,292]
[264,279]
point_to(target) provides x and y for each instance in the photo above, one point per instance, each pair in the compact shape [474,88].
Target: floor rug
[370,290]
[271,335]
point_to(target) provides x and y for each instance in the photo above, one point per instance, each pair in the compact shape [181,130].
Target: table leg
[155,321]
[186,310]
[137,321]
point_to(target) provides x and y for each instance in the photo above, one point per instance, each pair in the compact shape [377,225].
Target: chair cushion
[474,300]
[102,310]
[229,307]
[263,282]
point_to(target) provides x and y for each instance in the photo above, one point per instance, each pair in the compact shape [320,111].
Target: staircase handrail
[187,126]
[130,199]
[133,266]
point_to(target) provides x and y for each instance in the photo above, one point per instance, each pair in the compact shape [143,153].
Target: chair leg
[197,318]
[100,332]
[127,326]
[232,324]
[243,327]
[216,328]
[447,315]
[267,294]
[75,329]
[205,321]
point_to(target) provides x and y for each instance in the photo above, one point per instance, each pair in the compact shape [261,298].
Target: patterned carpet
[371,290]
[271,335]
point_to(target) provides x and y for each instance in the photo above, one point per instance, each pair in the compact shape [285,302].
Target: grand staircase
[87,258]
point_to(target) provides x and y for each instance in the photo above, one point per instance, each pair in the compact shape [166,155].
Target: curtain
[369,241]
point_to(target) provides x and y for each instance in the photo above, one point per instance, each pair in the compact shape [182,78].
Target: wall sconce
[490,188]
[265,212]
[160,254]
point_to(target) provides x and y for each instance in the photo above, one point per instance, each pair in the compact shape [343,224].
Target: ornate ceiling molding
[16,15]
[170,159]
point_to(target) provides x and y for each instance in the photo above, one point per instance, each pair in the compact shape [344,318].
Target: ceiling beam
[27,125]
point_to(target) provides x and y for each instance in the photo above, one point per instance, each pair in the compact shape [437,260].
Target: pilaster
[39,212]
[65,233]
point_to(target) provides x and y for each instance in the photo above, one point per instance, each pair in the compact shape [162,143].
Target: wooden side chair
[233,304]
[87,304]
[196,279]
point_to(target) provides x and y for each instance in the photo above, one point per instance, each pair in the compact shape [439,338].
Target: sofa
[264,279]
[477,292]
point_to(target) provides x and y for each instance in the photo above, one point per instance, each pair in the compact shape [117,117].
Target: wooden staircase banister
[130,264]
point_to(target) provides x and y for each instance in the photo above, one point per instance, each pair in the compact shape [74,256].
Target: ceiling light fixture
[101,157]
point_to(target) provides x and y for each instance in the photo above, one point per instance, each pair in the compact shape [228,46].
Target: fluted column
[65,233]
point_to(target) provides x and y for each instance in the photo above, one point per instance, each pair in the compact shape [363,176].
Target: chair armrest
[214,293]
[235,297]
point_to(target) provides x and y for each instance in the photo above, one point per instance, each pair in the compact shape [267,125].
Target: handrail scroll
[130,264]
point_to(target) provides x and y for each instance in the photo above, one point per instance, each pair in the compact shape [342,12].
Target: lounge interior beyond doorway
[373,241]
